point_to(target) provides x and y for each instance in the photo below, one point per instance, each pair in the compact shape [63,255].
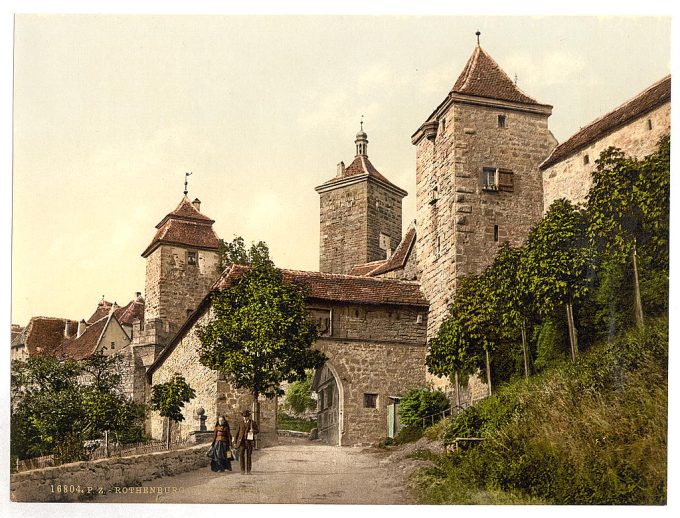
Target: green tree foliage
[237,253]
[57,405]
[419,403]
[299,395]
[168,398]
[261,334]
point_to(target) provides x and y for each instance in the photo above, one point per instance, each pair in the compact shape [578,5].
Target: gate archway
[330,397]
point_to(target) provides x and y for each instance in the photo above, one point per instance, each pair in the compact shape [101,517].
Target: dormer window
[501,121]
[192,258]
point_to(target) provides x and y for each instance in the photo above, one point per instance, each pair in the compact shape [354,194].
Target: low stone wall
[80,481]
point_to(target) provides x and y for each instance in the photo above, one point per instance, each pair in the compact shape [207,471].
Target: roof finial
[478,33]
[186,182]
[515,77]
[362,123]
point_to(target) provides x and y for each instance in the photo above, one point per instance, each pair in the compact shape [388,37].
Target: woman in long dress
[219,460]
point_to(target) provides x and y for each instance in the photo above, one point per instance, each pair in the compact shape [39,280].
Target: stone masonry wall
[384,216]
[215,395]
[455,216]
[83,480]
[374,350]
[175,288]
[343,240]
[571,178]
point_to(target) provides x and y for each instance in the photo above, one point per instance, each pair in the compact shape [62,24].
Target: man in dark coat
[244,441]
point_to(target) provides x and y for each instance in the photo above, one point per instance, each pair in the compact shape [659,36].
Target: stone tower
[360,212]
[477,178]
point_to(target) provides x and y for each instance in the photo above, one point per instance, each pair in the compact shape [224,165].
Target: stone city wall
[80,481]
[572,177]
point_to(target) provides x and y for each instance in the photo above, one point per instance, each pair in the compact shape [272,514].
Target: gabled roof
[395,262]
[483,77]
[327,287]
[86,344]
[184,226]
[43,334]
[103,309]
[654,96]
[134,310]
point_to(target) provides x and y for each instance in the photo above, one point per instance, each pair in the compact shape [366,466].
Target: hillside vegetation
[589,432]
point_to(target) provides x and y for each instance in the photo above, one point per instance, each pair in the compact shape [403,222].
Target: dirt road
[295,471]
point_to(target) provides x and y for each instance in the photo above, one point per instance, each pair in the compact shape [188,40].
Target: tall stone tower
[477,178]
[360,214]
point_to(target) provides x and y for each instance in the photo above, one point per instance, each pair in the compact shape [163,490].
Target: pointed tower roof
[483,77]
[360,169]
[185,226]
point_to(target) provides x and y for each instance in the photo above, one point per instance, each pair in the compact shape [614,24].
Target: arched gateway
[330,398]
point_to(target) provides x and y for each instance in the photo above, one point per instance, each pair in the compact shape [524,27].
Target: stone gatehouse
[373,332]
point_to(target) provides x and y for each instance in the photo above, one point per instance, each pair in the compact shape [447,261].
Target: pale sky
[110,111]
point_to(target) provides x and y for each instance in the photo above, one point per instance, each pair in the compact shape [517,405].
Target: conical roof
[483,77]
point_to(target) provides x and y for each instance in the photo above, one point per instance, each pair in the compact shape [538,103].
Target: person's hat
[245,413]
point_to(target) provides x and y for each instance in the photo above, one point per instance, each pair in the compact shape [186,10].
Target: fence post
[106,443]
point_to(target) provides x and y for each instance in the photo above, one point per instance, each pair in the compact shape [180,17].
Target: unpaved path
[295,471]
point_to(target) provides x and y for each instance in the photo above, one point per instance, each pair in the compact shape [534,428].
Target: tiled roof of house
[134,310]
[657,94]
[343,288]
[85,345]
[483,77]
[320,286]
[103,309]
[361,165]
[16,331]
[400,255]
[43,334]
[184,226]
[366,268]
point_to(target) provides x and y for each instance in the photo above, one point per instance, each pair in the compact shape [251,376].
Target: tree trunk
[167,435]
[525,350]
[639,316]
[256,416]
[573,337]
[488,370]
[457,382]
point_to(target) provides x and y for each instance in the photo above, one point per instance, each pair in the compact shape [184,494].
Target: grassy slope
[593,432]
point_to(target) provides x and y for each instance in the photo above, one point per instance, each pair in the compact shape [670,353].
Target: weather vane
[478,33]
[362,123]
[186,182]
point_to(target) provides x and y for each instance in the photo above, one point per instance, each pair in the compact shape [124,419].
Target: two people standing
[220,452]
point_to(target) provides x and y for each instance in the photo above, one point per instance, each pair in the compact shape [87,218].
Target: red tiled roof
[85,345]
[343,288]
[657,94]
[44,334]
[16,331]
[400,255]
[482,77]
[185,226]
[134,310]
[366,268]
[361,165]
[103,309]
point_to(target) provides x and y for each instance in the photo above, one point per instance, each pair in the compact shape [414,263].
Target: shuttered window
[506,180]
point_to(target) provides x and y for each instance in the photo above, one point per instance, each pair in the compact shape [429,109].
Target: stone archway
[330,398]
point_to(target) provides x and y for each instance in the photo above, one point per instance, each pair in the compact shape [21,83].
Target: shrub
[419,403]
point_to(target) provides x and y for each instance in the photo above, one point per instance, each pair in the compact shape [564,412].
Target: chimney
[197,204]
[138,295]
[341,168]
[388,253]
[82,325]
[67,329]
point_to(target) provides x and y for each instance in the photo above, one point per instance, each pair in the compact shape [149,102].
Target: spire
[186,183]
[362,141]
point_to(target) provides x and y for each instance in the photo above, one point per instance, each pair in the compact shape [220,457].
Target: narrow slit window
[649,124]
[501,121]
[191,258]
[586,159]
[495,233]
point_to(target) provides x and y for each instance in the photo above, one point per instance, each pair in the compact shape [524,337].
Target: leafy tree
[298,395]
[558,263]
[168,400]
[628,208]
[261,334]
[419,403]
[237,253]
